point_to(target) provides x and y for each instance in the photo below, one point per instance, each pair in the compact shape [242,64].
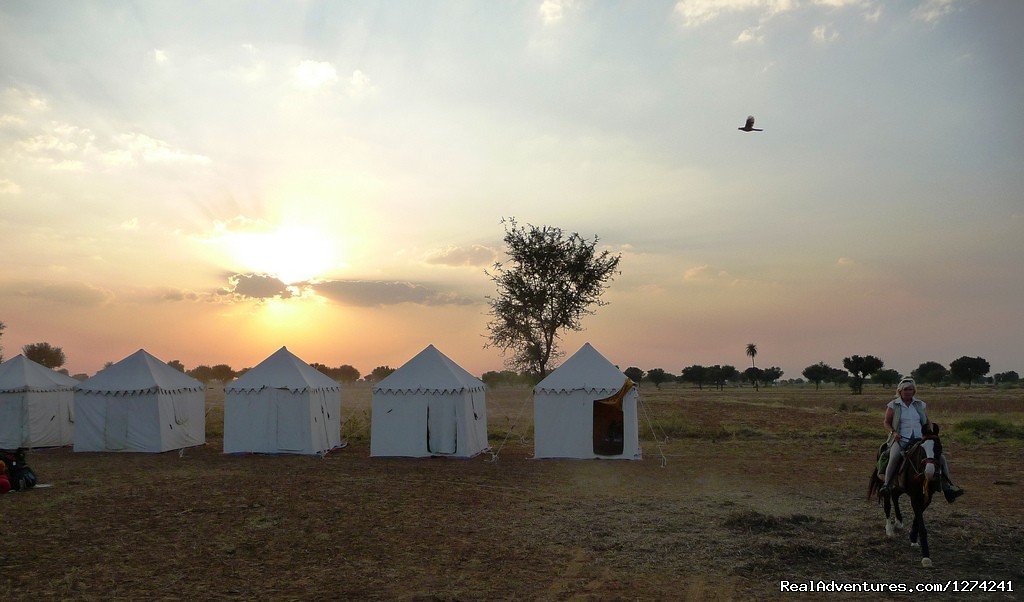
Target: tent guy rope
[494,454]
[657,442]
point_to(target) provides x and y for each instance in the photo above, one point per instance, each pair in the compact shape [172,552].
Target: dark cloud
[68,293]
[257,286]
[360,293]
[371,293]
[175,294]
[472,255]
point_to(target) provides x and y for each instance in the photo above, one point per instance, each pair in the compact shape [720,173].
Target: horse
[917,477]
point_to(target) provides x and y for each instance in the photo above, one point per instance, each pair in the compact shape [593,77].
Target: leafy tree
[968,369]
[45,354]
[202,373]
[886,378]
[1007,377]
[222,373]
[177,365]
[817,373]
[657,376]
[754,376]
[379,373]
[695,374]
[634,374]
[838,376]
[80,376]
[728,373]
[861,368]
[719,375]
[752,353]
[344,373]
[930,373]
[494,378]
[107,365]
[770,375]
[509,378]
[548,284]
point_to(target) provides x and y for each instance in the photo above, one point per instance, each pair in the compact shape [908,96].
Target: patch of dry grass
[779,495]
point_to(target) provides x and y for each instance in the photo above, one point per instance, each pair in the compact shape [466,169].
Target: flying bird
[749,127]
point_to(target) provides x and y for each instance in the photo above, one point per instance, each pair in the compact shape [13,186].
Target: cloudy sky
[210,181]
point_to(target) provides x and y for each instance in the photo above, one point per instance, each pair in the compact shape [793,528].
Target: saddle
[882,460]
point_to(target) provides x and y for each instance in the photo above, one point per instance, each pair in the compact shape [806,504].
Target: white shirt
[910,421]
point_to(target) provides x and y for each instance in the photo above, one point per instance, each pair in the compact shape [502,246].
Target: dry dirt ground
[757,487]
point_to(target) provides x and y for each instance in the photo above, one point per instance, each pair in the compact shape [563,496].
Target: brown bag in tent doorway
[609,423]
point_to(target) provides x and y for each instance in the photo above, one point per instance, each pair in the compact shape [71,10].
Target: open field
[757,487]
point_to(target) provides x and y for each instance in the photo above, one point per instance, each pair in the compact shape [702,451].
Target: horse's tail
[873,484]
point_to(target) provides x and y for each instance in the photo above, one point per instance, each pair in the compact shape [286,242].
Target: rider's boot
[949,490]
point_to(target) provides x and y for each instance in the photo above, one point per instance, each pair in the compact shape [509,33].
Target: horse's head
[924,465]
[928,461]
[921,464]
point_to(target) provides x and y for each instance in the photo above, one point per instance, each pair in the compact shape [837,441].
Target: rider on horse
[906,420]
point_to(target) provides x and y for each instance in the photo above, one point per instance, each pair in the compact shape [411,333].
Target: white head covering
[906,382]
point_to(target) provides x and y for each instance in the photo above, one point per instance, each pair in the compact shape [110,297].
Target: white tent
[36,405]
[586,408]
[282,406]
[140,404]
[429,407]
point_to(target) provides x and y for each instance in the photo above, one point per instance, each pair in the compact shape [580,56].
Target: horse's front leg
[887,506]
[919,533]
[896,509]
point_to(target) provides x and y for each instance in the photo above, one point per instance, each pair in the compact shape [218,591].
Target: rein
[913,447]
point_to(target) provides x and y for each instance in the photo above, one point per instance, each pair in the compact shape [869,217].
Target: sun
[293,253]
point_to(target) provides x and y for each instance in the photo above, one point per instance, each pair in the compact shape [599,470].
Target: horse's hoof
[889,531]
[926,562]
[914,544]
[899,524]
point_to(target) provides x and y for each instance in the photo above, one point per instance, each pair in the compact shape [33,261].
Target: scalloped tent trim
[567,391]
[258,388]
[130,392]
[429,390]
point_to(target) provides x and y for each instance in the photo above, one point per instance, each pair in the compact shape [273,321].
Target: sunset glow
[291,253]
[211,182]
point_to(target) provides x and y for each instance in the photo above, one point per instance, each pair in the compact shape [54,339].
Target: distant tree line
[224,373]
[713,376]
[509,378]
[964,370]
[343,374]
[855,372]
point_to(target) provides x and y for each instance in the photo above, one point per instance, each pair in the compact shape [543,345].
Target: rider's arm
[888,423]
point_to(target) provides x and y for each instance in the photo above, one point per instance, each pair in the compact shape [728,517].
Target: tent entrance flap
[608,429]
[609,423]
[441,427]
